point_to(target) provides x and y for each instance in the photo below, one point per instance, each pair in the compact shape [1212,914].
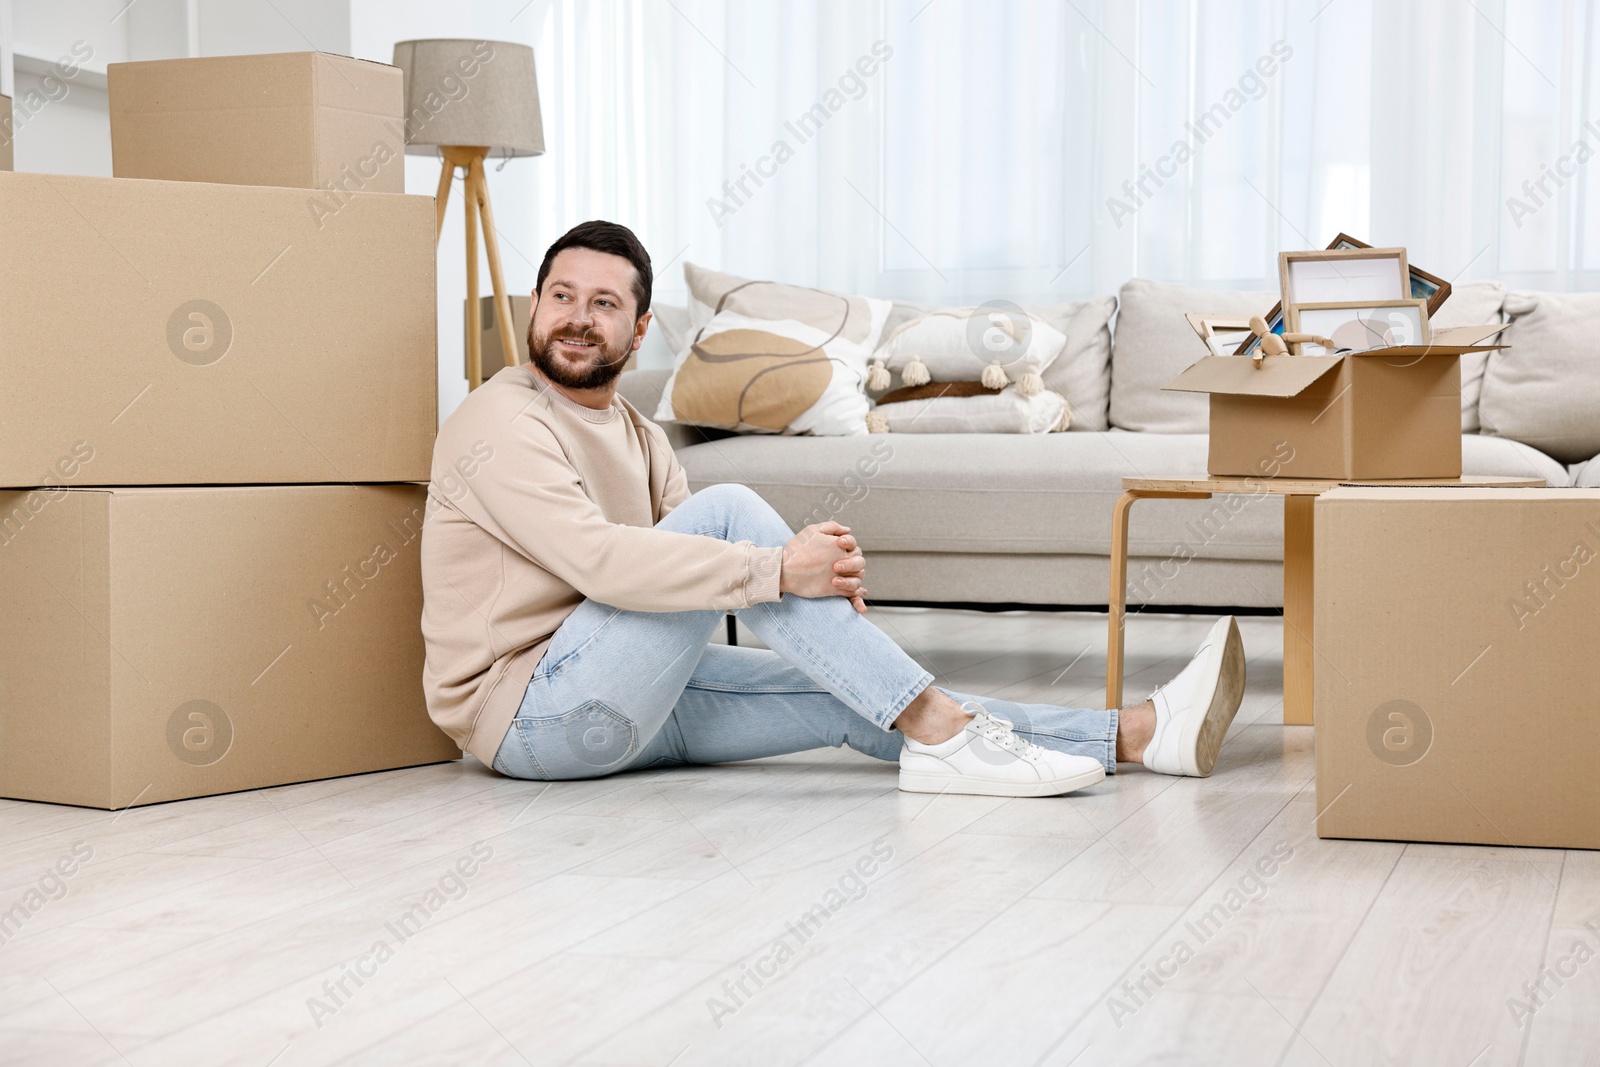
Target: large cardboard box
[158,643]
[304,119]
[1390,413]
[488,326]
[1456,696]
[194,334]
[7,134]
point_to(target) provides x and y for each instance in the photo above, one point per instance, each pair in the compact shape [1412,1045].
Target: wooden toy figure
[1274,344]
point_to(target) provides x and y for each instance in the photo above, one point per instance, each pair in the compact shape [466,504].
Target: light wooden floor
[600,919]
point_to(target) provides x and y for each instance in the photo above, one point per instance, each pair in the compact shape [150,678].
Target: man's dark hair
[610,237]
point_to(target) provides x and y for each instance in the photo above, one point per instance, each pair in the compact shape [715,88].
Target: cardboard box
[7,134]
[193,334]
[304,119]
[1389,413]
[159,643]
[488,326]
[1456,699]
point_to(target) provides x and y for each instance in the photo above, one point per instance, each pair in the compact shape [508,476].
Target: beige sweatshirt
[535,503]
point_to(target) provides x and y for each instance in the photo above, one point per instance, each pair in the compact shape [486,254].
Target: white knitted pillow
[1007,411]
[996,344]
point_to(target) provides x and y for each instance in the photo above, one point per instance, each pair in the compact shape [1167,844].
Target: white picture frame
[1406,322]
[1344,275]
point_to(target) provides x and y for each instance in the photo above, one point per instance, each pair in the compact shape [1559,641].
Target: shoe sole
[923,782]
[1226,697]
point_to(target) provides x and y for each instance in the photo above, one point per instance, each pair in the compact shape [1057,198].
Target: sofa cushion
[671,324]
[999,493]
[1024,494]
[1587,475]
[1542,389]
[1471,304]
[977,578]
[1082,372]
[1153,344]
[1501,458]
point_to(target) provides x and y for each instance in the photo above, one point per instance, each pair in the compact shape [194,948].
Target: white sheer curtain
[987,155]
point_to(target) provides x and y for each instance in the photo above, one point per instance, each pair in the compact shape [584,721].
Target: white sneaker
[988,759]
[1194,709]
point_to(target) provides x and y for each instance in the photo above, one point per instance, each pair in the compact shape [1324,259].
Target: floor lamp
[466,99]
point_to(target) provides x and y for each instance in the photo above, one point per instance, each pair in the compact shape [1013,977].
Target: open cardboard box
[1391,412]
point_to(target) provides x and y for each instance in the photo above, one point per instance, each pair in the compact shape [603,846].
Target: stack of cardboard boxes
[219,399]
[1453,623]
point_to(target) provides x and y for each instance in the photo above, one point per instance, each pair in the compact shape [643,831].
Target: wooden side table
[1300,494]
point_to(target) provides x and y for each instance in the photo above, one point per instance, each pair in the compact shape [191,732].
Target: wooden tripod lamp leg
[474,334]
[441,198]
[478,186]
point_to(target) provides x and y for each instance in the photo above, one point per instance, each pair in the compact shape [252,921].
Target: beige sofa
[1001,519]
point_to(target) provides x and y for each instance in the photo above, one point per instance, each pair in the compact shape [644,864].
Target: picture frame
[1344,275]
[1433,289]
[1436,290]
[1326,318]
[1218,332]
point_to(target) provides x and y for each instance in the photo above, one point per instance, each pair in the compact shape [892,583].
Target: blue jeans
[621,690]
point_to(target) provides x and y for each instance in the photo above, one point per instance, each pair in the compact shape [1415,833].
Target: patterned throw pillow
[763,357]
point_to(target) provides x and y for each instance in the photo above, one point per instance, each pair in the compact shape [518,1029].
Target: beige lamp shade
[470,92]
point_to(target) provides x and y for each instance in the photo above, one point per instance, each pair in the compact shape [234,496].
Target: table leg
[1118,597]
[1299,655]
[1116,601]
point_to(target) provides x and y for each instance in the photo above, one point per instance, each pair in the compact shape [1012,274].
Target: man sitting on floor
[572,585]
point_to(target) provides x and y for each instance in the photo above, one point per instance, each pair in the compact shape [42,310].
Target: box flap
[1423,350]
[1277,375]
[1467,335]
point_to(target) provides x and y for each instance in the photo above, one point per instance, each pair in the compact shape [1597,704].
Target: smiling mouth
[577,344]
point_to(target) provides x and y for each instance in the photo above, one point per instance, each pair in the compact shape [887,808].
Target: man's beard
[604,369]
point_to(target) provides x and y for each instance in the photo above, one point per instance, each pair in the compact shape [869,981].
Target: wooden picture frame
[1206,327]
[1425,286]
[1365,268]
[1436,290]
[1325,318]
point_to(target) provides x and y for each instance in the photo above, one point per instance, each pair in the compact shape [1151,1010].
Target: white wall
[244,27]
[63,123]
[68,134]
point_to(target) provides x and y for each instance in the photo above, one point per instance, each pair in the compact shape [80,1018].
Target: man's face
[584,324]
